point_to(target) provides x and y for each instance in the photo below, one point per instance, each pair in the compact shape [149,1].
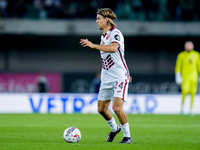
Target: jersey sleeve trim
[116,42]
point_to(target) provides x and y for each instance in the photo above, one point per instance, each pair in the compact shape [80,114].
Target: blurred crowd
[157,10]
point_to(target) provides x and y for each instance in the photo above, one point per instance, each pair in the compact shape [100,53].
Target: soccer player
[187,71]
[114,74]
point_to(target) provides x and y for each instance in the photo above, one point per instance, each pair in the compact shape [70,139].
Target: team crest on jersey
[108,36]
[117,37]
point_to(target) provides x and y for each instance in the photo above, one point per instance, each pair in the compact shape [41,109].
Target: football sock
[112,124]
[192,101]
[183,101]
[126,130]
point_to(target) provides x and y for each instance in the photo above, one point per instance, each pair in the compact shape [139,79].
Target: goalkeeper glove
[178,78]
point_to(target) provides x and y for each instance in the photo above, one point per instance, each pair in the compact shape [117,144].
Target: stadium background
[41,38]
[39,41]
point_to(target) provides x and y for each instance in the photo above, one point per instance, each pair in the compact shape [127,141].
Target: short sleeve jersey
[113,64]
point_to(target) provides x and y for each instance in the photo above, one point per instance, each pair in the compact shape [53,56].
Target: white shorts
[108,90]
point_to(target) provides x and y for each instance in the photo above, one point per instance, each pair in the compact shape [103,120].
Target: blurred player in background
[187,72]
[96,82]
[42,84]
[114,75]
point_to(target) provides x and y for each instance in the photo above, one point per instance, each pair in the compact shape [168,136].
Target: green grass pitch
[45,132]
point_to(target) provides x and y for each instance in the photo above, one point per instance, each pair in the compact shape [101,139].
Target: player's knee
[116,109]
[193,94]
[184,93]
[101,110]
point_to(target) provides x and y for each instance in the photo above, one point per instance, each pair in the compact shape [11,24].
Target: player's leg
[121,115]
[105,112]
[103,109]
[120,95]
[184,94]
[105,95]
[118,109]
[191,104]
[185,88]
[193,87]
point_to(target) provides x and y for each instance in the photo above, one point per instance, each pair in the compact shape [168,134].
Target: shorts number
[120,85]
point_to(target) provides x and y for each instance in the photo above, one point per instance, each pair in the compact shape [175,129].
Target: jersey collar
[112,28]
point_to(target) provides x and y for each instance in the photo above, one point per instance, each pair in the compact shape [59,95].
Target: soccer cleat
[126,140]
[112,135]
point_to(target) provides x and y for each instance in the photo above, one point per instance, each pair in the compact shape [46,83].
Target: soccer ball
[72,135]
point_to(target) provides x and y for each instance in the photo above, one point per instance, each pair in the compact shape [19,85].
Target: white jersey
[113,64]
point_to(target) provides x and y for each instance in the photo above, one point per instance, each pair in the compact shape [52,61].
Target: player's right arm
[178,64]
[178,77]
[106,48]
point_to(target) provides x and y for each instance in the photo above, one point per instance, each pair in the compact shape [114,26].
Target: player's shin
[112,123]
[126,130]
[191,105]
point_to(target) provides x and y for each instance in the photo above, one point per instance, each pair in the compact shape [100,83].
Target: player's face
[101,22]
[189,46]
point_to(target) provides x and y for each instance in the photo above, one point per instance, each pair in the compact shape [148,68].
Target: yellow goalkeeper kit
[188,66]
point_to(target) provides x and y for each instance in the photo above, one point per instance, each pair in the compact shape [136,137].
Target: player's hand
[86,42]
[130,79]
[178,78]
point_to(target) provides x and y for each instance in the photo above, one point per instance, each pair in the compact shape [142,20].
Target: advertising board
[87,103]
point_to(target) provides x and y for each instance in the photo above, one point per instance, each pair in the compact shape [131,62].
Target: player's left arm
[198,63]
[106,48]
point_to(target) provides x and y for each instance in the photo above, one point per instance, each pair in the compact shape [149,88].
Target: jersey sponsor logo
[107,63]
[117,37]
